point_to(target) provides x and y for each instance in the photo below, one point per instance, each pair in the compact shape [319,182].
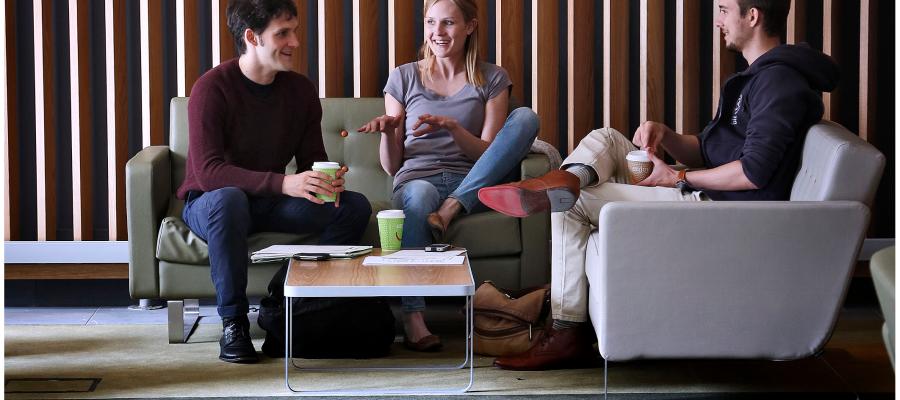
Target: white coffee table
[349,278]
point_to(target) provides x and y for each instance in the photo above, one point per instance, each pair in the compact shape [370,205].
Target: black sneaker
[235,343]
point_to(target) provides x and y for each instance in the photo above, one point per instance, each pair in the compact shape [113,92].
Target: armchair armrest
[148,187]
[721,279]
[535,259]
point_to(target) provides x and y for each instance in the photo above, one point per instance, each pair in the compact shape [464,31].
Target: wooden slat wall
[580,76]
[868,36]
[584,109]
[116,116]
[365,48]
[510,44]
[615,71]
[45,93]
[653,60]
[401,47]
[545,65]
[82,127]
[687,66]
[11,124]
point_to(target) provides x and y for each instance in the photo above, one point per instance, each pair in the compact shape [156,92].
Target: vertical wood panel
[222,40]
[401,47]
[580,74]
[10,122]
[868,60]
[482,28]
[796,23]
[82,126]
[687,67]
[653,60]
[116,116]
[510,50]
[331,44]
[831,33]
[189,63]
[615,70]
[545,65]
[45,120]
[301,56]
[723,63]
[152,28]
[365,48]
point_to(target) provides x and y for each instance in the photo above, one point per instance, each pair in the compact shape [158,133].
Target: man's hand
[662,175]
[434,123]
[306,184]
[649,135]
[384,123]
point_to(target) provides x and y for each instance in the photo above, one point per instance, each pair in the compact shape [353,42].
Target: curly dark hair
[774,13]
[255,15]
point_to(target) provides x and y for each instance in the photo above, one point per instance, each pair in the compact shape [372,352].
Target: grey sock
[559,324]
[585,174]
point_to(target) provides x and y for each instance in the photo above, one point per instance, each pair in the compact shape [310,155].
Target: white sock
[586,175]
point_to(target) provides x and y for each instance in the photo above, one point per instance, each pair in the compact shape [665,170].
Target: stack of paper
[281,252]
[417,257]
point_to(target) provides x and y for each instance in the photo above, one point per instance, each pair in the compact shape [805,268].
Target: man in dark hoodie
[750,151]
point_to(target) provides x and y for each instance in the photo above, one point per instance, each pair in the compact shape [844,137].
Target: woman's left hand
[433,123]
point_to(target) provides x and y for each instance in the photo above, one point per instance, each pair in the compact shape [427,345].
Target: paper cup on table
[330,168]
[390,228]
[639,165]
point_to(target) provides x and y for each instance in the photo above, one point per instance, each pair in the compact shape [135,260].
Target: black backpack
[326,327]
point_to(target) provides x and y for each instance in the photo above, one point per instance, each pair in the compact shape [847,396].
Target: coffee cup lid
[638,155]
[326,165]
[391,214]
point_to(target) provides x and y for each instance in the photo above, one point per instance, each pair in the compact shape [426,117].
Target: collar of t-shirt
[261,91]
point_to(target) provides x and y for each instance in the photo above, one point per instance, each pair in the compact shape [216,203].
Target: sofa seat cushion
[177,244]
[486,234]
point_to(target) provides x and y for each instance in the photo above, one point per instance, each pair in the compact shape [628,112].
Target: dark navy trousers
[227,216]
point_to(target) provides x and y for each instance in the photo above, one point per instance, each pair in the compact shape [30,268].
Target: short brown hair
[255,15]
[774,13]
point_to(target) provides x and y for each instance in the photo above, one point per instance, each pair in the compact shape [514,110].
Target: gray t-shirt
[437,151]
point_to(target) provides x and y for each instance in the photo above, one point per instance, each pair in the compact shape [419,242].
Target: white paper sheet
[442,260]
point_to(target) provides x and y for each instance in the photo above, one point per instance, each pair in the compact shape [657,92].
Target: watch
[682,183]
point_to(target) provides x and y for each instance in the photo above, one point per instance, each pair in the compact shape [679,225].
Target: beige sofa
[169,262]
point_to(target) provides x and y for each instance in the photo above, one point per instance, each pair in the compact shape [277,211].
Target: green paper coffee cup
[330,168]
[390,228]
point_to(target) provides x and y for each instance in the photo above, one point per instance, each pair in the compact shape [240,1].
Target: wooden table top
[350,278]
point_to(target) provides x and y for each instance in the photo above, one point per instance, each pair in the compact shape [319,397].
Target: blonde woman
[447,133]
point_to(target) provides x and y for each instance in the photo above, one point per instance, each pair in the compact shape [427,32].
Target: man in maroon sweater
[248,117]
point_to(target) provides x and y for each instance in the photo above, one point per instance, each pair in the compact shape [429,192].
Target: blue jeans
[498,164]
[224,218]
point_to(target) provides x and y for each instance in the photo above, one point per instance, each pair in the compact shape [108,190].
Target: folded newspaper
[281,252]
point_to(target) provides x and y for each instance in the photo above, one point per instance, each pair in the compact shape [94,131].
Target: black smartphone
[437,247]
[311,256]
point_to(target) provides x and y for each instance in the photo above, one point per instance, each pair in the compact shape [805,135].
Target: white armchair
[762,280]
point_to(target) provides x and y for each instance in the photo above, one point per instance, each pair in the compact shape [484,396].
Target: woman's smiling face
[446,30]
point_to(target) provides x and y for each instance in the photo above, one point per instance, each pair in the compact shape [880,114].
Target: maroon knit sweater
[244,140]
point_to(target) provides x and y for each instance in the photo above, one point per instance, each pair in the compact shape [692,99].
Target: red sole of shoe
[512,201]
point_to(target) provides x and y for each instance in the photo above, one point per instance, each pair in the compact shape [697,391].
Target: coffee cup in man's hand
[639,165]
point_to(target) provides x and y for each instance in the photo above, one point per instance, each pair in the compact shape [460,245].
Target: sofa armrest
[148,187]
[720,279]
[535,259]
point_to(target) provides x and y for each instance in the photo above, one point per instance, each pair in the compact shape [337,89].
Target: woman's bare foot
[414,325]
[440,219]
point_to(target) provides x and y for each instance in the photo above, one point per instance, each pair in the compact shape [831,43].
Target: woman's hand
[384,124]
[434,123]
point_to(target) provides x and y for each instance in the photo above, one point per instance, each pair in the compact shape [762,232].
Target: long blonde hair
[473,73]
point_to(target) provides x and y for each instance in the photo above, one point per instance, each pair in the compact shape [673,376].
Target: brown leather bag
[508,322]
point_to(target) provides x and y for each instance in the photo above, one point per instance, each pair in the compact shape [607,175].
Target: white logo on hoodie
[737,107]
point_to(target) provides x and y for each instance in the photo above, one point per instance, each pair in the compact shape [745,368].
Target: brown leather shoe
[555,191]
[564,348]
[427,344]
[438,226]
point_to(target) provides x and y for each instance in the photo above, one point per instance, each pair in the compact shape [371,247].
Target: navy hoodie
[762,119]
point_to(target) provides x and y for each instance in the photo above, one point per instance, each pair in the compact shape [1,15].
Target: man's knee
[229,202]
[357,204]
